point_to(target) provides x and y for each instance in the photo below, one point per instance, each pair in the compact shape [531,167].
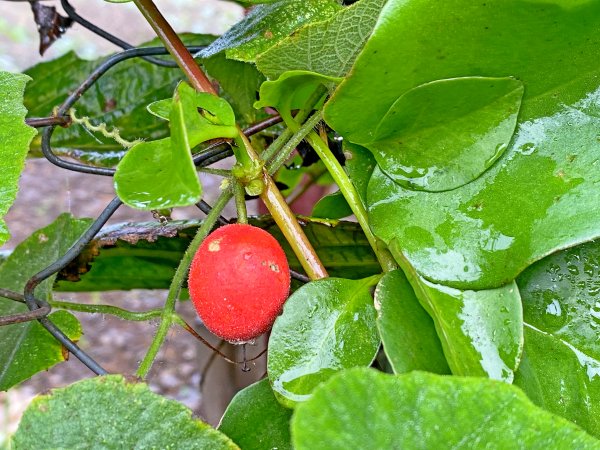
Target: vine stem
[350,194]
[271,196]
[166,318]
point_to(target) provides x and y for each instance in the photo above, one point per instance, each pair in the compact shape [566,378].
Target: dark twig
[34,304]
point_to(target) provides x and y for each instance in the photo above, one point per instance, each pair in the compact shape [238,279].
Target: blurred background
[185,370]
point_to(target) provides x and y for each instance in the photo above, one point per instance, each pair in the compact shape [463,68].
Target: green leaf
[329,47]
[255,420]
[362,408]
[327,325]
[360,164]
[444,134]
[560,370]
[145,255]
[118,99]
[292,90]
[481,331]
[407,331]
[483,234]
[239,83]
[266,25]
[161,174]
[111,412]
[28,348]
[332,206]
[15,137]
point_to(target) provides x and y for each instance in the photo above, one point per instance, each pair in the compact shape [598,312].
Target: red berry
[239,280]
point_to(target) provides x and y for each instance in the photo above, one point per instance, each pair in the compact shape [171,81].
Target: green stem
[136,316]
[211,171]
[350,194]
[289,147]
[240,201]
[166,318]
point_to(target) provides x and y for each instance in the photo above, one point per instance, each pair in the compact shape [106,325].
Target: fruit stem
[271,196]
[166,318]
[350,194]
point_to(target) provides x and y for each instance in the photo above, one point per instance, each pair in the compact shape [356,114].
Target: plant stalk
[271,196]
[166,318]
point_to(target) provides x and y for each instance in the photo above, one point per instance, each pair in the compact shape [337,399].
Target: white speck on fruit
[274,267]
[214,246]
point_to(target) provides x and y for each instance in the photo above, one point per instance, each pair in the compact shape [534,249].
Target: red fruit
[239,280]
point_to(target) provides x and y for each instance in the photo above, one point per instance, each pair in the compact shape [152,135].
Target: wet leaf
[85,413]
[28,348]
[15,137]
[407,331]
[560,370]
[266,25]
[255,420]
[326,326]
[362,408]
[329,47]
[444,134]
[483,234]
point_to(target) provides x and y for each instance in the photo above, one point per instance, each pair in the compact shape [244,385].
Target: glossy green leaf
[481,331]
[326,326]
[329,47]
[266,25]
[15,137]
[292,90]
[483,234]
[444,134]
[363,408]
[112,412]
[332,206]
[359,166]
[161,174]
[560,370]
[145,255]
[255,420]
[28,348]
[408,334]
[486,232]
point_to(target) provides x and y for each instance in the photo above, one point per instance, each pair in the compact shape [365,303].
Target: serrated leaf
[266,25]
[145,255]
[27,347]
[255,420]
[111,412]
[560,370]
[483,234]
[362,408]
[15,137]
[444,134]
[408,334]
[329,47]
[326,326]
